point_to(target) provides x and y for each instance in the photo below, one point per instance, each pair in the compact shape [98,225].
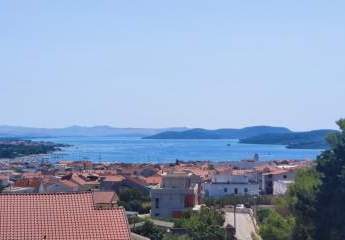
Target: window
[225,189]
[246,190]
[157,202]
[285,177]
[236,191]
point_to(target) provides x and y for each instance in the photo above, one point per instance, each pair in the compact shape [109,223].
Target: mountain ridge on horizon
[82,131]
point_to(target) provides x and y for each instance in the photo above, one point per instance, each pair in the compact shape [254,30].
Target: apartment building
[279,177]
[232,182]
[177,193]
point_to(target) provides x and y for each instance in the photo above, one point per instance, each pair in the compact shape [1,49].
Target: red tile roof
[28,182]
[113,178]
[59,216]
[105,197]
[69,184]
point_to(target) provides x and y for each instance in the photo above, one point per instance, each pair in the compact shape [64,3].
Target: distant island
[295,140]
[226,133]
[256,135]
[13,147]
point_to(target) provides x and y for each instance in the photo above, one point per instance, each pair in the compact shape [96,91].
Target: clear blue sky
[160,63]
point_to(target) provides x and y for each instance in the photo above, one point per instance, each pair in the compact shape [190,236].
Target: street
[244,224]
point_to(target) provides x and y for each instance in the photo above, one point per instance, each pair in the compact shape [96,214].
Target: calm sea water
[135,149]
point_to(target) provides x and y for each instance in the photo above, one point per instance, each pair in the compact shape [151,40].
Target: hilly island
[256,135]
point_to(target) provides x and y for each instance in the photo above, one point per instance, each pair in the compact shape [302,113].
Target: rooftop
[60,216]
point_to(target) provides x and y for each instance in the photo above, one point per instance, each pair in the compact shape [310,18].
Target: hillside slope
[199,133]
[297,140]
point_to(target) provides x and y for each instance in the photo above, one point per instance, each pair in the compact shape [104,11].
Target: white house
[233,182]
[280,187]
[269,178]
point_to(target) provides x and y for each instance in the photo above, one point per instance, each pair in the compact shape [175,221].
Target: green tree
[314,204]
[300,202]
[276,227]
[148,229]
[206,224]
[330,214]
[134,200]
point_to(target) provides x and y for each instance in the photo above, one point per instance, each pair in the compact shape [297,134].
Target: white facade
[227,184]
[224,189]
[280,187]
[268,180]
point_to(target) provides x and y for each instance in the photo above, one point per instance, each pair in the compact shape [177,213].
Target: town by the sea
[138,150]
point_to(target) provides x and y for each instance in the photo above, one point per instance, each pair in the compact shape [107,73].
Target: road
[244,224]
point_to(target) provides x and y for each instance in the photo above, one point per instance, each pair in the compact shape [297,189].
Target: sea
[138,150]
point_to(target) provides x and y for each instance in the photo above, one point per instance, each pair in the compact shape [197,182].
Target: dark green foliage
[11,148]
[148,229]
[237,199]
[263,214]
[128,194]
[298,205]
[206,224]
[276,227]
[315,202]
[134,200]
[300,200]
[330,215]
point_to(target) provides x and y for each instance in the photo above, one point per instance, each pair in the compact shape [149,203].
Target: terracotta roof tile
[105,197]
[70,184]
[59,216]
[113,178]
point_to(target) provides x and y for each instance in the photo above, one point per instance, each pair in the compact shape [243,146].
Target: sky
[195,63]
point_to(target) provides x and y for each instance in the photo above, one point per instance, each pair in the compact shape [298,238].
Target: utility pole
[230,232]
[235,216]
[255,205]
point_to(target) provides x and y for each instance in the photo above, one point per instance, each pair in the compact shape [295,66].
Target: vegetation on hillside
[226,133]
[11,148]
[301,140]
[149,230]
[313,208]
[274,226]
[205,224]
